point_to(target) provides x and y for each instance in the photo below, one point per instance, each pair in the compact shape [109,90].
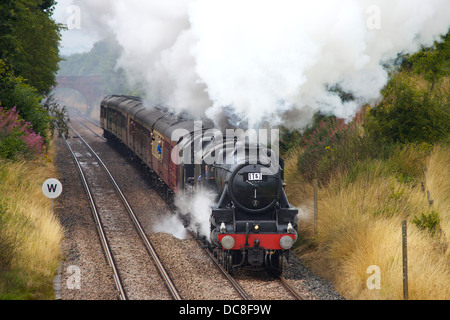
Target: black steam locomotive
[251,220]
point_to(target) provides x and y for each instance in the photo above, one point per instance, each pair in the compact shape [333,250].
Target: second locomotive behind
[251,220]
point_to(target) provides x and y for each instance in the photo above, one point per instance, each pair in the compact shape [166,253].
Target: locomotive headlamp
[256,227]
[228,242]
[223,228]
[290,228]
[286,242]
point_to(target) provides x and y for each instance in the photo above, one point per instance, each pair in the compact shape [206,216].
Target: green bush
[289,140]
[334,145]
[17,137]
[12,145]
[428,221]
[29,39]
[15,93]
[408,114]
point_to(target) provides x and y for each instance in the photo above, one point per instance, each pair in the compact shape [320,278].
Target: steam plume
[264,59]
[255,61]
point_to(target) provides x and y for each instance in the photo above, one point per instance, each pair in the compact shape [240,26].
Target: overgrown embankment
[360,225]
[387,165]
[30,235]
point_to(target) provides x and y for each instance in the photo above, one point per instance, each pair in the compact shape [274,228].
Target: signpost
[52,189]
[405,260]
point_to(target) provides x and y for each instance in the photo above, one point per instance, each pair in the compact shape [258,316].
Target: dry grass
[360,226]
[438,182]
[35,230]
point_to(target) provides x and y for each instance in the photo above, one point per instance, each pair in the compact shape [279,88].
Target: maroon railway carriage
[147,132]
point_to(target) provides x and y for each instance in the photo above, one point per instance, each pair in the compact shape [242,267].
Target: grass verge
[360,213]
[30,235]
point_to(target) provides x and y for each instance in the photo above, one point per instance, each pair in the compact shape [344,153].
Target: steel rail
[291,289]
[236,285]
[85,126]
[151,250]
[101,233]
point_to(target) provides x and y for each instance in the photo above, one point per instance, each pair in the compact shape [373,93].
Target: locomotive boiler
[251,220]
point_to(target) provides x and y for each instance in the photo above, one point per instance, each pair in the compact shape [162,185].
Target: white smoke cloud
[267,57]
[172,225]
[264,59]
[198,210]
[261,60]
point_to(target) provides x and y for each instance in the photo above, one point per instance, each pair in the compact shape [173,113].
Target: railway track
[297,295]
[238,287]
[105,241]
[235,283]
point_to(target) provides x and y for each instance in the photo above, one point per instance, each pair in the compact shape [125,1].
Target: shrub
[17,136]
[58,116]
[408,114]
[320,141]
[15,92]
[332,145]
[289,140]
[427,221]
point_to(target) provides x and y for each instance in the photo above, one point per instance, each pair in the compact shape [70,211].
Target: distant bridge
[89,86]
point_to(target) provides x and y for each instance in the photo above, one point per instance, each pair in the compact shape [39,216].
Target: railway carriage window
[132,127]
[158,147]
[152,138]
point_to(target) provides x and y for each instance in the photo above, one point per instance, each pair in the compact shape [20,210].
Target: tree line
[29,58]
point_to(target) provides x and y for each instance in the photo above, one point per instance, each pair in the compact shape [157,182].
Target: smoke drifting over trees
[264,61]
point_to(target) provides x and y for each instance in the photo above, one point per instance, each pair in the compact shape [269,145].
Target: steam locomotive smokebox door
[253,190]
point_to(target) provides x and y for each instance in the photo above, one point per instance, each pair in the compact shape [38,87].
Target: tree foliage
[433,62]
[410,111]
[408,114]
[29,40]
[58,115]
[29,57]
[101,60]
[14,92]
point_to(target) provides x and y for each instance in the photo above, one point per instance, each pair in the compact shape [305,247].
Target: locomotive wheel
[220,256]
[229,264]
[224,261]
[274,263]
[277,264]
[280,263]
